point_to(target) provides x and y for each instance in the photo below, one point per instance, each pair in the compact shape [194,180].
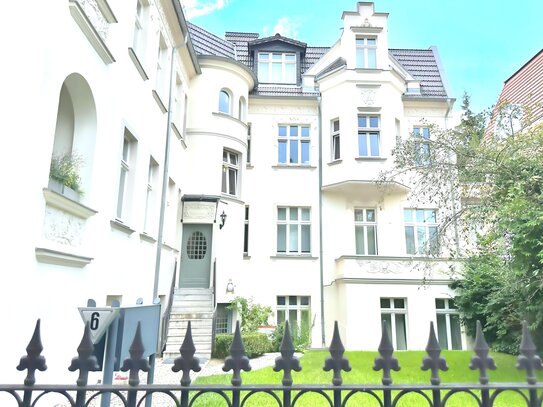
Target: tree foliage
[490,195]
[252,315]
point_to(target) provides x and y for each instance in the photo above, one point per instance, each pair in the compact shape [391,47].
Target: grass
[362,373]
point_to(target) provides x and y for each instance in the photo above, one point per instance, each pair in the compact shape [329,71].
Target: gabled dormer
[277,59]
[364,40]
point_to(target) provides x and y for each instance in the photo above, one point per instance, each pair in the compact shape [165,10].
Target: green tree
[491,188]
[252,315]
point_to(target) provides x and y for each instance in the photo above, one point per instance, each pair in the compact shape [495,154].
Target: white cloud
[197,8]
[285,26]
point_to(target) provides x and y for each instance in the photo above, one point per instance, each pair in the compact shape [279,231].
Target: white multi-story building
[175,127]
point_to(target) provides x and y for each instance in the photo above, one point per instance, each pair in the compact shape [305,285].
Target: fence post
[435,363]
[483,362]
[237,361]
[134,364]
[185,363]
[32,362]
[337,363]
[386,362]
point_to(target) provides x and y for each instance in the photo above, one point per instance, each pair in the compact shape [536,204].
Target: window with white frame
[179,109]
[246,232]
[394,314]
[365,226]
[293,230]
[249,150]
[277,67]
[336,151]
[296,310]
[161,80]
[223,319]
[293,145]
[141,26]
[366,52]
[242,109]
[422,153]
[126,175]
[448,324]
[368,135]
[150,198]
[225,102]
[230,168]
[421,236]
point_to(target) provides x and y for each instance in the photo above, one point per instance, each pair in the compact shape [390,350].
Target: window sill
[368,70]
[335,162]
[294,167]
[137,63]
[179,135]
[246,256]
[231,198]
[147,238]
[119,225]
[370,158]
[294,256]
[90,32]
[249,166]
[63,203]
[159,102]
[169,247]
[61,258]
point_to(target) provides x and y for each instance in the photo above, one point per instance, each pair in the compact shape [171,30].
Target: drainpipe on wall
[321,261]
[165,173]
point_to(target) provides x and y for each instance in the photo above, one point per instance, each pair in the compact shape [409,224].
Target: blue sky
[481,42]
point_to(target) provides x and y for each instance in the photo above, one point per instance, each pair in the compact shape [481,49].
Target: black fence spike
[287,362]
[434,361]
[336,361]
[386,361]
[481,360]
[33,361]
[85,362]
[528,359]
[187,362]
[136,361]
[237,361]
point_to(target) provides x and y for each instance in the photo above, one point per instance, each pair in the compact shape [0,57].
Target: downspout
[165,173]
[321,251]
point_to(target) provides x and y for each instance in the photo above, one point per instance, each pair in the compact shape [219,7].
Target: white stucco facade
[102,91]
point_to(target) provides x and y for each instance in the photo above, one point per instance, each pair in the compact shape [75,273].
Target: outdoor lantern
[223,219]
[230,286]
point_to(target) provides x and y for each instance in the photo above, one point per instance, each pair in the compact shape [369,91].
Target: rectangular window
[248,143]
[448,324]
[171,215]
[178,113]
[162,68]
[394,313]
[293,230]
[150,199]
[293,145]
[223,319]
[421,236]
[366,52]
[125,178]
[296,310]
[276,67]
[365,226]
[368,136]
[422,153]
[336,151]
[230,166]
[246,232]
[140,29]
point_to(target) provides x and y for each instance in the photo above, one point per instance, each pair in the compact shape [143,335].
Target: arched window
[224,102]
[242,112]
[75,133]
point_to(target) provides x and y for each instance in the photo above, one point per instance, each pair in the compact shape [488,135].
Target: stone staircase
[195,305]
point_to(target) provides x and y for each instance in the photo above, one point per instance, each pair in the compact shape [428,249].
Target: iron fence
[286,394]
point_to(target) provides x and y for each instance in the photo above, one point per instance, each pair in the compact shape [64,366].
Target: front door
[195,256]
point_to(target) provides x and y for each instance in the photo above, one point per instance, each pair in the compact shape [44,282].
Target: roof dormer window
[277,67]
[366,52]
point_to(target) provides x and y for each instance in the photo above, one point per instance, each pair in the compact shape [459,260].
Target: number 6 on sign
[99,320]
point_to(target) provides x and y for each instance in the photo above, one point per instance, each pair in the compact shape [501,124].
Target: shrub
[252,315]
[301,337]
[256,344]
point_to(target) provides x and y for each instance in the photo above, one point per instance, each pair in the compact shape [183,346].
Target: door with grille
[195,256]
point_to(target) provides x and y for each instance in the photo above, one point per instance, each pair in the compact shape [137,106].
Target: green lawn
[362,373]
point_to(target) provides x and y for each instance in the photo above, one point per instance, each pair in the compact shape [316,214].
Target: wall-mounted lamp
[230,287]
[223,219]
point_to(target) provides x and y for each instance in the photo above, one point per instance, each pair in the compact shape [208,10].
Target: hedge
[256,344]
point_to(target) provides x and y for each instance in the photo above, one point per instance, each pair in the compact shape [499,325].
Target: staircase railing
[167,312]
[214,318]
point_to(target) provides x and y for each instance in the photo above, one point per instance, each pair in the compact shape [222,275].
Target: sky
[481,43]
